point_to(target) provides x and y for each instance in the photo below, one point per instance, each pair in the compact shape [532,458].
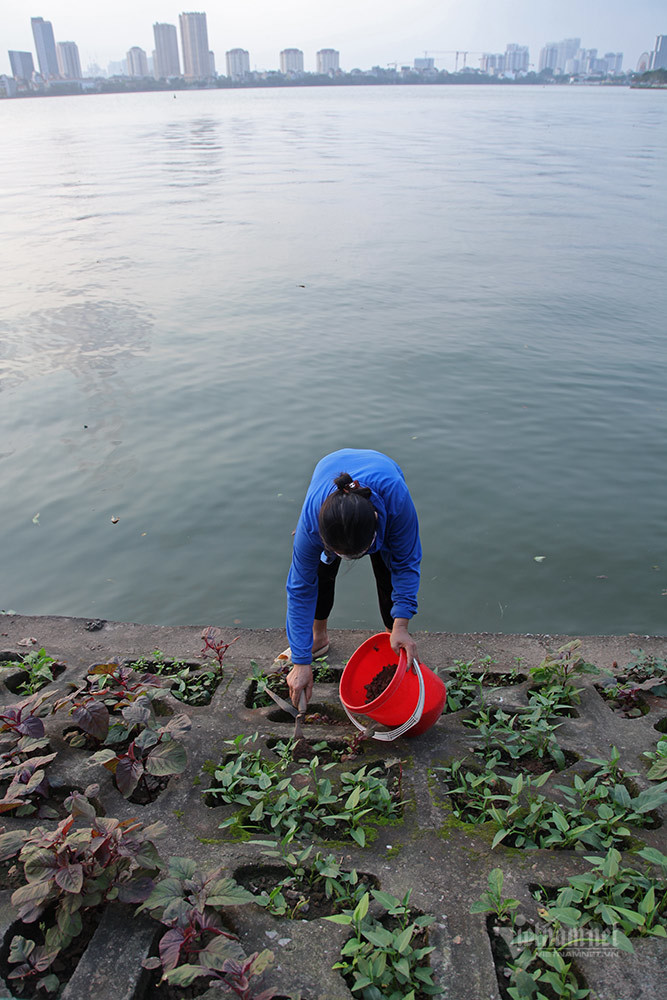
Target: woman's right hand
[300,679]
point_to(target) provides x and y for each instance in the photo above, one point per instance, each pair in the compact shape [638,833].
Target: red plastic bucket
[411,702]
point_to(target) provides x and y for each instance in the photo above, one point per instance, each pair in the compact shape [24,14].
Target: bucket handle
[393,734]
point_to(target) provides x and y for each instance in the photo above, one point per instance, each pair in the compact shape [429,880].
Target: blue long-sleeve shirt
[397,540]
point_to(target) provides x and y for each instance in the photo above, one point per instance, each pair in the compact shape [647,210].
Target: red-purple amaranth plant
[214,645]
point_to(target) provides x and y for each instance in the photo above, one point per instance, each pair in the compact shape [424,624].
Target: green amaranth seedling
[658,769]
[463,686]
[40,670]
[341,886]
[288,801]
[187,683]
[519,735]
[596,814]
[382,961]
[534,965]
[612,900]
[493,901]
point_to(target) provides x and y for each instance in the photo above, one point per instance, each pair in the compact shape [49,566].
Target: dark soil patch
[325,751]
[661,726]
[198,687]
[64,965]
[493,679]
[380,682]
[11,875]
[318,714]
[533,764]
[163,991]
[148,789]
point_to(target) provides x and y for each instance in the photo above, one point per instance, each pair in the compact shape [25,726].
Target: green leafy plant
[187,683]
[156,752]
[308,871]
[658,769]
[493,901]
[558,671]
[541,973]
[646,667]
[385,958]
[596,814]
[515,736]
[285,800]
[85,861]
[463,686]
[613,899]
[39,666]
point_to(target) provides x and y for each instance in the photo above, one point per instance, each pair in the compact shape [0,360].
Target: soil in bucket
[381,681]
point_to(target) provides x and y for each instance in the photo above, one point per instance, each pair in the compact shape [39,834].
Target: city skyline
[367,32]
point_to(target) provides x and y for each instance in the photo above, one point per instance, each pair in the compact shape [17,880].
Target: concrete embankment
[445,862]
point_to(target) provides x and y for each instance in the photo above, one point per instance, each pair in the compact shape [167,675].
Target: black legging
[326,585]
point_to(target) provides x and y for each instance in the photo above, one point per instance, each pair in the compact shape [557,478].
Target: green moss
[179,813]
[394,850]
[196,780]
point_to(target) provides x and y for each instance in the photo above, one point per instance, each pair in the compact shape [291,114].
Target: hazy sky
[366,32]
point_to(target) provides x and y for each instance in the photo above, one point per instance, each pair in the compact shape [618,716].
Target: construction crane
[453,52]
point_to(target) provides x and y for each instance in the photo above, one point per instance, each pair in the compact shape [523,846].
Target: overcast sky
[366,32]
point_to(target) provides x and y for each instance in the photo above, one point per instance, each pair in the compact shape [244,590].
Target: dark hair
[347,519]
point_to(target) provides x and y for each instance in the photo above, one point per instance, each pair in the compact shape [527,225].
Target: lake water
[203,295]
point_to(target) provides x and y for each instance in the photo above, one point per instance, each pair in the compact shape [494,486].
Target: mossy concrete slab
[441,860]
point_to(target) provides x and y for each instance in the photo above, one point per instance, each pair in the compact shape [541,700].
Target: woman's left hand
[400,639]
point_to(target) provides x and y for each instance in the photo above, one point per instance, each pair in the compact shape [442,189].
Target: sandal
[286,656]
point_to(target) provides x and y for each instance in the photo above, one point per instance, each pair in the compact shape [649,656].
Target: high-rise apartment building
[42,32]
[194,43]
[137,63]
[22,65]
[517,58]
[291,61]
[614,61]
[165,60]
[69,63]
[328,61]
[659,54]
[238,63]
[555,55]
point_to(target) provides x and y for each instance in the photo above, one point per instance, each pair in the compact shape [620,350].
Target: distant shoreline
[74,89]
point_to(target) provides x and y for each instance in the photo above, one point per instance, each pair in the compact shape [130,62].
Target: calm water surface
[201,296]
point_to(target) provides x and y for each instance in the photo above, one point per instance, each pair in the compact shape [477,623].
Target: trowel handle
[303,703]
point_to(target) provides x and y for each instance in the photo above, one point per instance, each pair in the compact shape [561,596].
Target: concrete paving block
[110,968]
